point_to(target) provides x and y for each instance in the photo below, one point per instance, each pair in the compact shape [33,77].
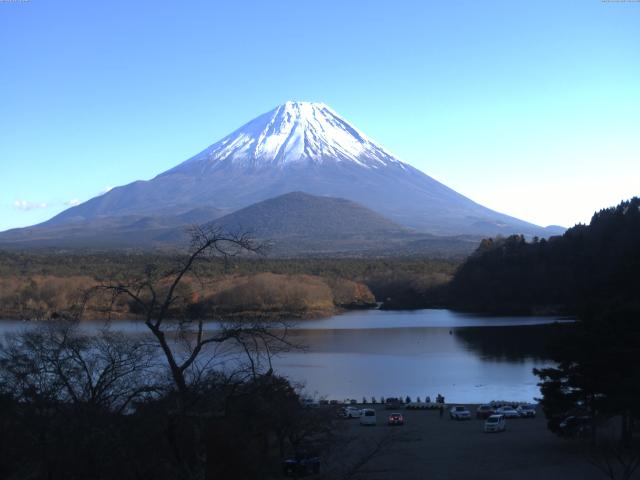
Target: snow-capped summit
[295,132]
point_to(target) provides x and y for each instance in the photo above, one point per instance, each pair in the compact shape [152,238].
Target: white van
[495,423]
[368,417]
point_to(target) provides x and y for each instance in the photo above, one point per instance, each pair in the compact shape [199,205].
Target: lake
[467,358]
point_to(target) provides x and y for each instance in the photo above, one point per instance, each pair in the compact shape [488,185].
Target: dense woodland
[587,267]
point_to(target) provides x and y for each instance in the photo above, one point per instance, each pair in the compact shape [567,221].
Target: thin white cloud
[26,205]
[106,190]
[72,203]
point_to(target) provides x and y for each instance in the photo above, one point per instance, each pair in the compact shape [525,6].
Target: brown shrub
[271,292]
[44,296]
[348,293]
[40,296]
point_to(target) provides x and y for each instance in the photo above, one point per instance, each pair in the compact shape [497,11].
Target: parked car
[350,412]
[368,417]
[301,466]
[484,411]
[396,419]
[507,411]
[526,411]
[575,426]
[495,423]
[459,413]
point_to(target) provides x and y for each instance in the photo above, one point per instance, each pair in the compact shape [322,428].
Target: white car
[459,413]
[350,412]
[526,411]
[508,412]
[368,417]
[495,423]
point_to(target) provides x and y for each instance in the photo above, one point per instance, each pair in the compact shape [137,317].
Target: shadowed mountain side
[301,214]
[130,231]
[299,224]
[293,225]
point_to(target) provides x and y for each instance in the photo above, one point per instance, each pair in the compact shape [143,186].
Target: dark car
[575,426]
[392,403]
[301,466]
[484,411]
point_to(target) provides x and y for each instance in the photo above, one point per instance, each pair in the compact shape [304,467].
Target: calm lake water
[467,358]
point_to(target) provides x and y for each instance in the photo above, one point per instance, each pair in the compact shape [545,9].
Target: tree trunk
[625,432]
[176,372]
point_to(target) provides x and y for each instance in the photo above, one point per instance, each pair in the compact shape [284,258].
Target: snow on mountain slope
[293,133]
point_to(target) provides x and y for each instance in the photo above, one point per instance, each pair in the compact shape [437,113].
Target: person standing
[441,411]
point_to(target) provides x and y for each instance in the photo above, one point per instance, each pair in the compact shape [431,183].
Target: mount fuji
[297,147]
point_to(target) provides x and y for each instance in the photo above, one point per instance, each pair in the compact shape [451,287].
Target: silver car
[350,412]
[508,412]
[459,413]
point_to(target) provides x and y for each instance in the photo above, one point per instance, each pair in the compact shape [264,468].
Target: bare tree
[157,294]
[57,363]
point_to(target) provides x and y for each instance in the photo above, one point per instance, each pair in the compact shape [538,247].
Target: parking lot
[430,447]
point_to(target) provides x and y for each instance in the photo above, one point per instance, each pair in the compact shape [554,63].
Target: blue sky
[531,108]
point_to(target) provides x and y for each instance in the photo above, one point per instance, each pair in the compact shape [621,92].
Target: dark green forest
[586,269]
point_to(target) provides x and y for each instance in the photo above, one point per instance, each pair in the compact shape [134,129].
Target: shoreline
[268,315]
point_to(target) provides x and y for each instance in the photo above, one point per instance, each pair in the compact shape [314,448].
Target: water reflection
[465,364]
[509,343]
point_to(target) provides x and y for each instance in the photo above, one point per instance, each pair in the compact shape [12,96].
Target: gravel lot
[428,447]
